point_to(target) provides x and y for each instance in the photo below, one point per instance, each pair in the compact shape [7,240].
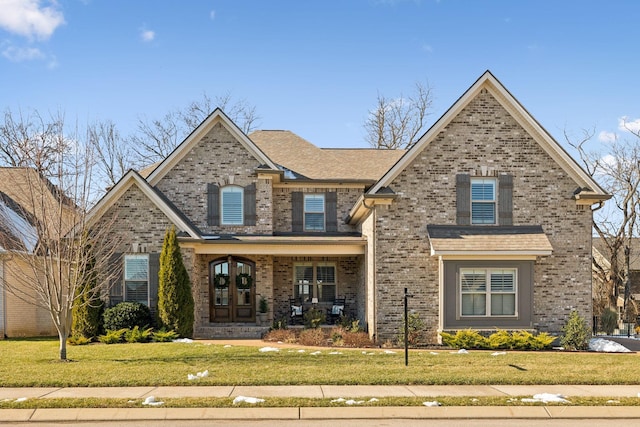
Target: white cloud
[626,124]
[18,54]
[147,35]
[605,136]
[30,18]
[212,15]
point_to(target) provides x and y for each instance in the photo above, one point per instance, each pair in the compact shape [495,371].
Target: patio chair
[295,311]
[336,311]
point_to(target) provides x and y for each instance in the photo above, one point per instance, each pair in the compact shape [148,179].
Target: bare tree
[114,156]
[616,225]
[49,247]
[26,140]
[156,139]
[398,123]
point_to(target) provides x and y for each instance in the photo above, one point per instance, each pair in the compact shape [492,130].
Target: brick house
[26,197]
[486,220]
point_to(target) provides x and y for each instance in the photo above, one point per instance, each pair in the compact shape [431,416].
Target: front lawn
[27,363]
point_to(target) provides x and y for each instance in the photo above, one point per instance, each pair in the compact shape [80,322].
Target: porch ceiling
[276,245]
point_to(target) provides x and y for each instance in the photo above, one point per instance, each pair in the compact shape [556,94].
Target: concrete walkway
[429,393]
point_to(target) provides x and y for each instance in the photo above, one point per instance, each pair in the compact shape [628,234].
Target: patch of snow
[613,401]
[151,401]
[499,353]
[354,402]
[546,398]
[20,399]
[199,375]
[245,399]
[268,349]
[606,346]
[302,351]
[389,352]
[338,400]
[335,352]
[434,353]
[461,351]
[315,353]
[431,404]
[227,346]
[184,340]
[373,399]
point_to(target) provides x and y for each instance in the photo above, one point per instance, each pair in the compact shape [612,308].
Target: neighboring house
[23,193]
[486,221]
[601,256]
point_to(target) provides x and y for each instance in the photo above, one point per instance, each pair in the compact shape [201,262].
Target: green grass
[27,363]
[281,402]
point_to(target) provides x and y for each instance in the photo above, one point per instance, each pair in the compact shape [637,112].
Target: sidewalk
[319,391]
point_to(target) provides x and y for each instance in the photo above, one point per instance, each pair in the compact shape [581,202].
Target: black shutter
[505,199]
[297,211]
[213,204]
[331,211]
[250,204]
[463,199]
[116,284]
[154,269]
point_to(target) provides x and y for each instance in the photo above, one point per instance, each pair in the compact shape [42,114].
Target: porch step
[224,330]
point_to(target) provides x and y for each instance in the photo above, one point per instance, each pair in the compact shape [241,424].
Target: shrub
[357,339]
[608,321]
[281,335]
[313,336]
[164,335]
[126,315]
[138,335]
[503,340]
[87,305]
[78,340]
[416,330]
[576,333]
[280,323]
[175,301]
[467,338]
[112,337]
[313,318]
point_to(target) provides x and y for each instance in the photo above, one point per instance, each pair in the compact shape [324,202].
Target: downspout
[3,304]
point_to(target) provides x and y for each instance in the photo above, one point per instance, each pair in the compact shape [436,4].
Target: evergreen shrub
[127,315]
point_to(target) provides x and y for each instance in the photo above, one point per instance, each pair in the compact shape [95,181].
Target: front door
[232,293]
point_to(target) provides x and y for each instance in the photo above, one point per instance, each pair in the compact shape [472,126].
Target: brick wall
[346,198]
[483,134]
[218,158]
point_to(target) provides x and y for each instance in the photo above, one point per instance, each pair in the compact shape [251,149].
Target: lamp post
[406,327]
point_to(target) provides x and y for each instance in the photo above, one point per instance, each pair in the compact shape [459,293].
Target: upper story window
[488,292]
[231,206]
[136,278]
[483,201]
[314,214]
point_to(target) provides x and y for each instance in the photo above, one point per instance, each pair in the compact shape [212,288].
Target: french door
[232,292]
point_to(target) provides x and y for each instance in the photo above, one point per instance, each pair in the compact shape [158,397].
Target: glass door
[232,291]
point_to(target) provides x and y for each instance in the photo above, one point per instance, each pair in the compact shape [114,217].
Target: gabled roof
[217,116]
[298,155]
[593,192]
[133,178]
[17,226]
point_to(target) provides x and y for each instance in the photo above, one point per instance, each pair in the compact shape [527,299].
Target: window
[315,280]
[232,207]
[483,201]
[136,278]
[491,291]
[314,212]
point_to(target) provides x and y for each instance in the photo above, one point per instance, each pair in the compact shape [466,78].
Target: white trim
[288,249]
[194,138]
[491,256]
[489,82]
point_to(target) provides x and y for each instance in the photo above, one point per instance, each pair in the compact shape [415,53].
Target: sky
[317,67]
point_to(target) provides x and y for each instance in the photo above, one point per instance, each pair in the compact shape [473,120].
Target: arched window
[231,206]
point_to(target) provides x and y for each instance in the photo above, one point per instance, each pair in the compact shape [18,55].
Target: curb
[318,413]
